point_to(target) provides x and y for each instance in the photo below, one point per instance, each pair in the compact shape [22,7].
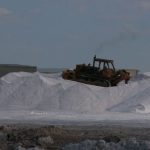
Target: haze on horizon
[57,34]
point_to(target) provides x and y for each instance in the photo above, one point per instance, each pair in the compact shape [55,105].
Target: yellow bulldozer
[101,73]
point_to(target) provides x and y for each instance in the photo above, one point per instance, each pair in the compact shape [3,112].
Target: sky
[63,33]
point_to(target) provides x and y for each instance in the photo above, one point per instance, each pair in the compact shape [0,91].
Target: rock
[3,136]
[33,148]
[46,140]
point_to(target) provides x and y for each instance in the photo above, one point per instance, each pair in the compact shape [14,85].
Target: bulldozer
[101,73]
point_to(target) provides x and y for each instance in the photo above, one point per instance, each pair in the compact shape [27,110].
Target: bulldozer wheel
[107,83]
[103,83]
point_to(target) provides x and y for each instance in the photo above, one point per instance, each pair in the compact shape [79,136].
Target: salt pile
[43,92]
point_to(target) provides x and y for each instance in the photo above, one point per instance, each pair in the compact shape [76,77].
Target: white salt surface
[37,96]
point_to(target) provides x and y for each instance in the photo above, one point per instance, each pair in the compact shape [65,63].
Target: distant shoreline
[50,70]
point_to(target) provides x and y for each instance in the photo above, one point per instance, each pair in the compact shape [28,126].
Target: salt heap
[49,92]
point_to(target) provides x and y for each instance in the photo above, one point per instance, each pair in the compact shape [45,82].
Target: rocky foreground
[69,137]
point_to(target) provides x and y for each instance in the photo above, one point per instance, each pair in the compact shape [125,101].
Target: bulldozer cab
[103,64]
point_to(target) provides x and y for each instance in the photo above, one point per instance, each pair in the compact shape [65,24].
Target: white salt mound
[37,91]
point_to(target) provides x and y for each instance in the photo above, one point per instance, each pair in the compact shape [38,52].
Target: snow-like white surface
[48,96]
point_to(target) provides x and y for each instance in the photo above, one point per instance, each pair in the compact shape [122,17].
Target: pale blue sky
[63,33]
